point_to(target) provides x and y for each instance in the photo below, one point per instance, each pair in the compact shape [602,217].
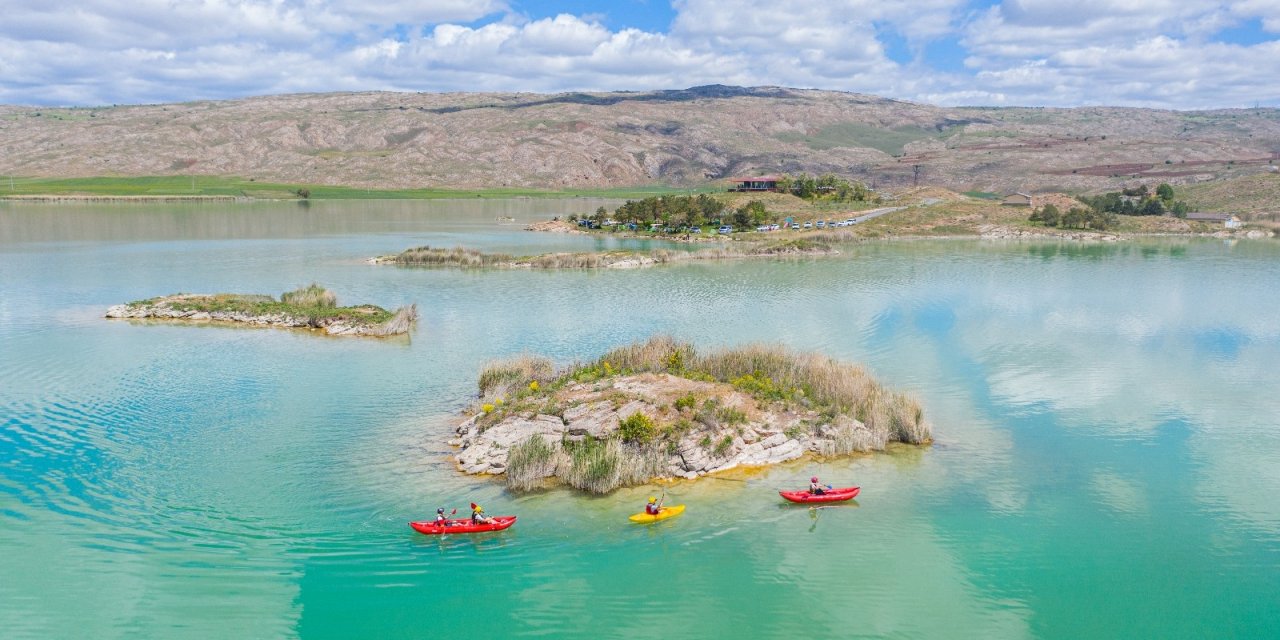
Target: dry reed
[310,296]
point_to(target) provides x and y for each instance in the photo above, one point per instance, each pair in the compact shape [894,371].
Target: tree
[785,184]
[1179,209]
[751,213]
[1075,218]
[1152,207]
[806,186]
[1047,214]
[1050,215]
[1165,192]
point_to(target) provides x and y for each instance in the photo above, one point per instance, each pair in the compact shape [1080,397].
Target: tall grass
[529,462]
[457,257]
[827,383]
[602,466]
[501,377]
[312,296]
[400,322]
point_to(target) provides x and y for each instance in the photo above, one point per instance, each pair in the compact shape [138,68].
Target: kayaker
[477,515]
[815,488]
[440,519]
[654,507]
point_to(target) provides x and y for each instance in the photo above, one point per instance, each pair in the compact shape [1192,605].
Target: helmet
[479,509]
[440,510]
[813,479]
[652,499]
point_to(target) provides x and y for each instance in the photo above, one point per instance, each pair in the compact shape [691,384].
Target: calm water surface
[1107,460]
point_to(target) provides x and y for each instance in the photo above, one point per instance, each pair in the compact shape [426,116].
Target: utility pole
[915,175]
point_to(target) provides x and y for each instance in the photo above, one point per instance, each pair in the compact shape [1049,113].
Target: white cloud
[1144,52]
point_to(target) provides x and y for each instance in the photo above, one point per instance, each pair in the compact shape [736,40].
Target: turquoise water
[1107,460]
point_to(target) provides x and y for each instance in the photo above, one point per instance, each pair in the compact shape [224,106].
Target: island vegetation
[661,408]
[462,257]
[310,307]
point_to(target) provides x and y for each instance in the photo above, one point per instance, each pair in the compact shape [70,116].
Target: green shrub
[686,402]
[637,427]
[730,416]
[723,445]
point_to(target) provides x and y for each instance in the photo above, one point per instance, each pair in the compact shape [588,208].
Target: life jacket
[652,509]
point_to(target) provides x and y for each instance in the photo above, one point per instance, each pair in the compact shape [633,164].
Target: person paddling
[654,507]
[477,515]
[441,520]
[815,488]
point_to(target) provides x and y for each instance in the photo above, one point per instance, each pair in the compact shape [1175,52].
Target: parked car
[808,225]
[725,229]
[695,229]
[820,224]
[849,221]
[774,227]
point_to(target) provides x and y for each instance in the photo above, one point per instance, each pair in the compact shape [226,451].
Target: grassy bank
[837,406]
[238,187]
[461,257]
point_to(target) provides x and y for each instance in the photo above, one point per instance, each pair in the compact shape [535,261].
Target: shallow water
[1107,458]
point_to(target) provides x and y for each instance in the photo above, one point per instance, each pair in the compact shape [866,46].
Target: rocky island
[461,257]
[660,409]
[311,307]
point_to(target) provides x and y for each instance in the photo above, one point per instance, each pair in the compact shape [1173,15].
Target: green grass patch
[186,185]
[855,134]
[312,302]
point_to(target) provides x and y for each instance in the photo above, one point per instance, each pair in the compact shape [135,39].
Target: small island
[462,257]
[660,409]
[311,307]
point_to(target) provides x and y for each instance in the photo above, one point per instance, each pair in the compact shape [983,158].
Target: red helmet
[813,479]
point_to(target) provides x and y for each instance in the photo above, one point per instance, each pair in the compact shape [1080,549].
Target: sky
[1177,54]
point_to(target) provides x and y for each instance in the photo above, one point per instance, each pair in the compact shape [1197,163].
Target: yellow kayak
[663,514]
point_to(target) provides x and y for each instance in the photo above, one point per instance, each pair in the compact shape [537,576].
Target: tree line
[684,212]
[1138,201]
[1100,212]
[827,186]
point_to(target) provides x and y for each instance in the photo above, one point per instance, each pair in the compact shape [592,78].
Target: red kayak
[831,495]
[463,525]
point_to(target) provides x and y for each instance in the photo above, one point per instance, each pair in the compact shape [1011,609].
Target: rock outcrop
[716,427]
[185,307]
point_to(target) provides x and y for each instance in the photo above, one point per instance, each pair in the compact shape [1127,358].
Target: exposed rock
[771,433]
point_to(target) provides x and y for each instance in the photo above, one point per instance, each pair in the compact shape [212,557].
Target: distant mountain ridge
[681,137]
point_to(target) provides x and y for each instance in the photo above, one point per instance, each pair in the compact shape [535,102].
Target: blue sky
[1181,54]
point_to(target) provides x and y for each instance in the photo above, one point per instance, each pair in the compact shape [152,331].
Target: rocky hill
[600,140]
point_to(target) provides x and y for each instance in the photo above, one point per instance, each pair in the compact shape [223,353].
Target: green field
[855,134]
[242,187]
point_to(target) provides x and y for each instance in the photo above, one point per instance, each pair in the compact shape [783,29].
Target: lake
[1107,456]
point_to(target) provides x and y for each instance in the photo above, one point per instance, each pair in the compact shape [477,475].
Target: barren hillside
[688,137]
